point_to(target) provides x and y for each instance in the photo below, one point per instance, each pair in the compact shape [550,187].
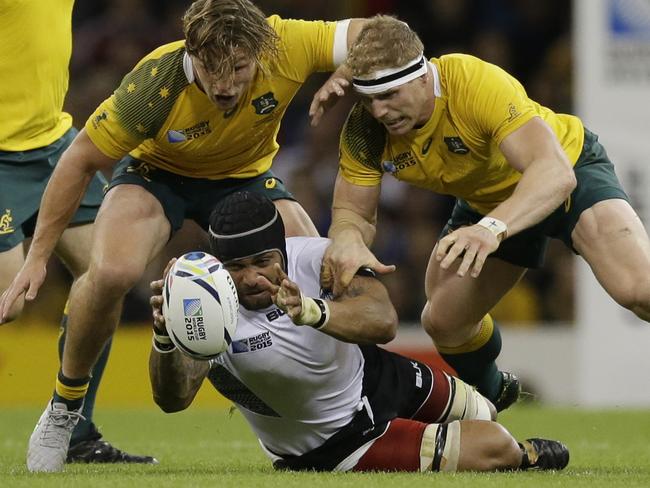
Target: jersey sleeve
[361,148]
[489,100]
[139,107]
[305,47]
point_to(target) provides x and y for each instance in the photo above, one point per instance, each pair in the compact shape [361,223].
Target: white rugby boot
[48,444]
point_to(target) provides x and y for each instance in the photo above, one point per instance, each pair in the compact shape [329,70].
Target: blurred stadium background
[565,337]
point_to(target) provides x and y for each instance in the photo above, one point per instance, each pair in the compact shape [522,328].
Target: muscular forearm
[61,199]
[351,225]
[540,191]
[64,192]
[362,320]
[175,379]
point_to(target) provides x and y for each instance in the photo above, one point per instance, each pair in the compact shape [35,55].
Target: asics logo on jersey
[427,145]
[194,132]
[265,104]
[251,344]
[5,222]
[456,145]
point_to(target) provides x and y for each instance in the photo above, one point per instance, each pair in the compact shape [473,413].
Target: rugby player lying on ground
[320,395]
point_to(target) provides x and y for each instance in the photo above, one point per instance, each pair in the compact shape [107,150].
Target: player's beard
[255,301]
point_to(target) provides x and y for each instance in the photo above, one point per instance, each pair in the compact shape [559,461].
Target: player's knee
[444,329]
[501,451]
[114,278]
[434,323]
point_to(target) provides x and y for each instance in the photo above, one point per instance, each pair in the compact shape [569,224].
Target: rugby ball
[200,305]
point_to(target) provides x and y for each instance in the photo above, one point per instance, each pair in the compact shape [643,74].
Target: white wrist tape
[498,228]
[315,312]
[162,348]
[161,338]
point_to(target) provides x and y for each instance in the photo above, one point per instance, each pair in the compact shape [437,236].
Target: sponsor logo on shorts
[194,323]
[252,344]
[456,145]
[418,374]
[5,222]
[270,183]
[181,135]
[265,104]
[142,169]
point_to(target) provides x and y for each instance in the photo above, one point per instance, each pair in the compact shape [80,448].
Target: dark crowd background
[529,38]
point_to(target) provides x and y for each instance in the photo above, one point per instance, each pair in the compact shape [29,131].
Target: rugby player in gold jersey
[193,122]
[521,174]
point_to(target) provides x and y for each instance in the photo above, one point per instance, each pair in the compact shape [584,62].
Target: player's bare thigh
[73,248]
[454,302]
[296,220]
[130,230]
[611,238]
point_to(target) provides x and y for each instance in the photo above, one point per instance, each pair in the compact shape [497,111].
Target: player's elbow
[387,328]
[172,404]
[567,182]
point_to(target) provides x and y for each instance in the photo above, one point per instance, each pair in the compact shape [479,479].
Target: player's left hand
[472,244]
[287,296]
[326,97]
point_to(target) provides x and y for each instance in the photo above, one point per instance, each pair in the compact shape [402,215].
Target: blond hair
[384,42]
[215,28]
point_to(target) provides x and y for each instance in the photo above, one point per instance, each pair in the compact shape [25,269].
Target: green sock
[474,361]
[85,428]
[70,391]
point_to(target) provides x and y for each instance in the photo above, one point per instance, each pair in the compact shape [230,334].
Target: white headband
[385,79]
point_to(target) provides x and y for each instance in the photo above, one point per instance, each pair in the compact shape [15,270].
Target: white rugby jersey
[296,386]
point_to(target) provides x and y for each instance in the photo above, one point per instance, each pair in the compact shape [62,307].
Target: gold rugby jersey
[457,151]
[36,40]
[158,116]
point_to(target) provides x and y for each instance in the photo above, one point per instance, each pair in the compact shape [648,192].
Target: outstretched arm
[362,314]
[175,378]
[354,215]
[547,181]
[62,196]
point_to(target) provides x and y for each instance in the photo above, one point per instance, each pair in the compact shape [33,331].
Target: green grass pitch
[201,447]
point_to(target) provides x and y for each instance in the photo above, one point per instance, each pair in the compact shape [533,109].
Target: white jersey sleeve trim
[341,42]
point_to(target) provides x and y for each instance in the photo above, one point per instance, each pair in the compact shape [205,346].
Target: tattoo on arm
[358,286]
[175,377]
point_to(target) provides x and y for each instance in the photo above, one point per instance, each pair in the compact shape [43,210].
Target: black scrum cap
[245,224]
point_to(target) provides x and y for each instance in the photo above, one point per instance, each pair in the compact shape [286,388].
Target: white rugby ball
[200,305]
